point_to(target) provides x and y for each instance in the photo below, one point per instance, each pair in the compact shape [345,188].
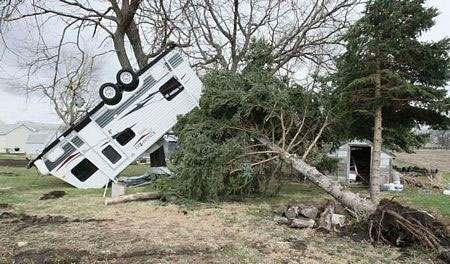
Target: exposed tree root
[402,226]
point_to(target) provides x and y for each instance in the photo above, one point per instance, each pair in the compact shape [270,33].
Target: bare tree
[215,33]
[297,31]
[441,138]
[218,32]
[76,80]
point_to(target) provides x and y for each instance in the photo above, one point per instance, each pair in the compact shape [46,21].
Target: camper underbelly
[103,144]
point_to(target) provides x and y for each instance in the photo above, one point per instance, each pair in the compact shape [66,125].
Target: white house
[37,141]
[13,137]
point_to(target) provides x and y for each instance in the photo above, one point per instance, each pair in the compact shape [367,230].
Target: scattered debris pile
[307,216]
[416,171]
[402,226]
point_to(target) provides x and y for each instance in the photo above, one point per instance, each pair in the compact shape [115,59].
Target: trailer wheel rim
[126,77]
[109,92]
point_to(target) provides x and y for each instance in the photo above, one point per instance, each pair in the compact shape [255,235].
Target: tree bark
[362,207]
[133,197]
[377,142]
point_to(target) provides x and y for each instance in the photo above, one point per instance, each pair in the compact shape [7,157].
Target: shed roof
[370,143]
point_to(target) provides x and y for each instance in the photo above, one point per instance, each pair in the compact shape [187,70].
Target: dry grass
[156,232]
[147,232]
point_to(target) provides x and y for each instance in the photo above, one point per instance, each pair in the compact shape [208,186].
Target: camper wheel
[127,80]
[110,93]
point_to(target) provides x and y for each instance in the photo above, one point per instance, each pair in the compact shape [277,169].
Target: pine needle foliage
[218,153]
[413,72]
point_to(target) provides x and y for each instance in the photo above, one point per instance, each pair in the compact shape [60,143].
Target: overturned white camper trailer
[134,114]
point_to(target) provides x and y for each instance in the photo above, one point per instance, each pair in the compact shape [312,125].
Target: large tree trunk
[362,207]
[377,142]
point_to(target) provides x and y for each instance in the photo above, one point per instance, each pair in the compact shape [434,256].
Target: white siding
[17,138]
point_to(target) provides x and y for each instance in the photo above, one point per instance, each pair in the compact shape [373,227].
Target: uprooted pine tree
[249,123]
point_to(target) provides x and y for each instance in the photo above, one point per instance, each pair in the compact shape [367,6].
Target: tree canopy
[218,152]
[413,73]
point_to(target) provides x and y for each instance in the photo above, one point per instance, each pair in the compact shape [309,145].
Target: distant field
[432,159]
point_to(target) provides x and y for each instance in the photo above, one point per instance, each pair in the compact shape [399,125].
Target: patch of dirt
[29,220]
[52,255]
[13,163]
[52,195]
[67,255]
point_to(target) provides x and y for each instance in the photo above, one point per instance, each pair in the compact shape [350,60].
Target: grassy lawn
[188,232]
[21,188]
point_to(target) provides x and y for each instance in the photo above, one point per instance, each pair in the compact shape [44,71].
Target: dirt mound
[13,163]
[10,218]
[52,195]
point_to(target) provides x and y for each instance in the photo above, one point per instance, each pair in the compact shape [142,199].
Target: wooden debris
[308,211]
[133,197]
[291,212]
[301,222]
[281,220]
[338,220]
[325,221]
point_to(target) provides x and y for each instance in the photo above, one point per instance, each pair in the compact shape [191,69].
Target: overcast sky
[16,107]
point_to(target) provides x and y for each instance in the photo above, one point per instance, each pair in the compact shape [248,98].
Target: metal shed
[354,162]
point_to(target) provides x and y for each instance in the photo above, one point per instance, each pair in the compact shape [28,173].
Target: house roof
[32,126]
[6,128]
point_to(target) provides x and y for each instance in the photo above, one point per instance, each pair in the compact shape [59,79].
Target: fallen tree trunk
[361,207]
[133,197]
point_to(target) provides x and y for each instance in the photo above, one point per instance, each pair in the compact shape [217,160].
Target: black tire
[110,93]
[127,80]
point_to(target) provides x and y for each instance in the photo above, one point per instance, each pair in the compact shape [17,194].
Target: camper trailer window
[111,154]
[125,136]
[84,170]
[171,89]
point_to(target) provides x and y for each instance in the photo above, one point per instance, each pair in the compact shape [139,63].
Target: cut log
[133,197]
[308,211]
[362,207]
[302,222]
[338,220]
[326,217]
[281,220]
[291,212]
